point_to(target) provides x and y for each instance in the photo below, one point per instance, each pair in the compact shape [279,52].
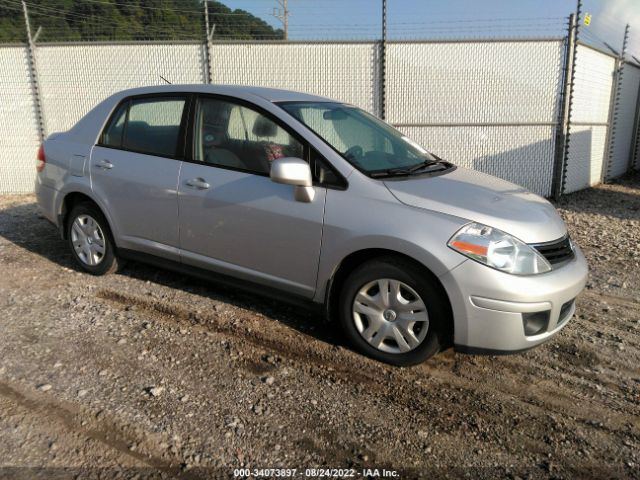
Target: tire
[90,240]
[422,323]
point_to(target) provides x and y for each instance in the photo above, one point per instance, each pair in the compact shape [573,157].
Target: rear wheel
[393,312]
[90,240]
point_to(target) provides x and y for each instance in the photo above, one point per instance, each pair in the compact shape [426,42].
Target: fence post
[33,76]
[614,103]
[207,42]
[564,111]
[382,71]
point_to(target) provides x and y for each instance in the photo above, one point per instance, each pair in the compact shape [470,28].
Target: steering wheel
[354,153]
[210,134]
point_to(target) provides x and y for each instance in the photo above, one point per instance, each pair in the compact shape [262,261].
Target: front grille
[556,252]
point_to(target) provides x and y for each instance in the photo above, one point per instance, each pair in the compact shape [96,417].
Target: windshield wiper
[420,166]
[404,171]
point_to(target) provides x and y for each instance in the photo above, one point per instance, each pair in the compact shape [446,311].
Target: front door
[134,170]
[233,218]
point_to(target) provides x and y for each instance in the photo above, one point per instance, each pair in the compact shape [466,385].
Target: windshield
[365,141]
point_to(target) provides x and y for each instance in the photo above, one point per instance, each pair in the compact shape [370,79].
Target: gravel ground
[151,374]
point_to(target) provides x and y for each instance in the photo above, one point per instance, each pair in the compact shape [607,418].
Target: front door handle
[199,183]
[104,164]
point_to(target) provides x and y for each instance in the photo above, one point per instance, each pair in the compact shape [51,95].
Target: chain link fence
[341,70]
[590,111]
[490,105]
[74,78]
[18,121]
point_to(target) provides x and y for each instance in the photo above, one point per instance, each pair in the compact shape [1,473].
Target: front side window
[231,135]
[365,141]
[147,125]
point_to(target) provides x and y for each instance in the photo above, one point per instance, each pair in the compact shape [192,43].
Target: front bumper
[488,305]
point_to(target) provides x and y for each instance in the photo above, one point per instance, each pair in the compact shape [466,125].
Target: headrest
[263,127]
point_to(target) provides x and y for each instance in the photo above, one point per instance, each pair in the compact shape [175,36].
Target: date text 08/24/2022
[315,473]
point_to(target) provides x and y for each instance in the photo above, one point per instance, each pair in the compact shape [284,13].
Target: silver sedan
[317,202]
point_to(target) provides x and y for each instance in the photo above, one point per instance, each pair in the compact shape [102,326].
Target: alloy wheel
[88,240]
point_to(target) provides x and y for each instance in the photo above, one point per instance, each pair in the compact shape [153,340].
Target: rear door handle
[198,183]
[104,164]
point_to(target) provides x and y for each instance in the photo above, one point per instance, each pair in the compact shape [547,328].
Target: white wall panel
[437,85]
[624,121]
[345,72]
[593,81]
[520,155]
[18,124]
[587,149]
[74,78]
[473,82]
[484,105]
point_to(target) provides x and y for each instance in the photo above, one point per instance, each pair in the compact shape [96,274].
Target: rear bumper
[46,198]
[491,307]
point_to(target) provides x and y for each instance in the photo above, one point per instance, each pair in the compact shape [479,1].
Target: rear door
[233,218]
[135,169]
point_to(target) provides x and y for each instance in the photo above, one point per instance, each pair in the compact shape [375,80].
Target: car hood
[479,197]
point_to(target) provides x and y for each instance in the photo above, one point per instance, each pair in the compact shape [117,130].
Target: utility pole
[282,14]
[33,74]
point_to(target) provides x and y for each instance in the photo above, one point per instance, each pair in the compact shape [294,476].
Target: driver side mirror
[296,172]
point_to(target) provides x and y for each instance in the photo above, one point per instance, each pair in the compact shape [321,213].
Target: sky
[361,19]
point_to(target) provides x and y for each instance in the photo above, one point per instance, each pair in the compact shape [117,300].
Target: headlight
[498,250]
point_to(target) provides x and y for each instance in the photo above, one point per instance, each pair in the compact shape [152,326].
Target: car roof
[87,129]
[240,91]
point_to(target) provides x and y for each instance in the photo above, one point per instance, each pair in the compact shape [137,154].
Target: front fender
[360,223]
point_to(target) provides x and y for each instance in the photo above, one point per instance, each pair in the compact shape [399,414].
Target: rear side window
[153,126]
[147,125]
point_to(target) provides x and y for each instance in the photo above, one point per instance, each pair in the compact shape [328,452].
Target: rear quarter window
[112,136]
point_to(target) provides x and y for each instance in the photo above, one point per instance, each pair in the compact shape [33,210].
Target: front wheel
[393,312]
[90,240]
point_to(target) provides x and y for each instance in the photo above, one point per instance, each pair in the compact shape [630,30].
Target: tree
[240,24]
[95,20]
